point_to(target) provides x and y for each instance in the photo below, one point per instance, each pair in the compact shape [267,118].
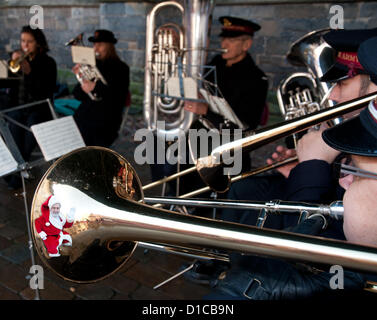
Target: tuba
[302,93]
[173,51]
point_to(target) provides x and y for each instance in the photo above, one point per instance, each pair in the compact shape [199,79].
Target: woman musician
[37,72]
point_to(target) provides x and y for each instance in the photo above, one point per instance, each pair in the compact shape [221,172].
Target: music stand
[11,156]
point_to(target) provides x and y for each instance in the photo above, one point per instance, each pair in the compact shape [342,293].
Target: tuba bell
[173,51]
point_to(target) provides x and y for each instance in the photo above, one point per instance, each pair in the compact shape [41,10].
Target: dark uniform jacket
[260,278]
[99,121]
[39,84]
[244,86]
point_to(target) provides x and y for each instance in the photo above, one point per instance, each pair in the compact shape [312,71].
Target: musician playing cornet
[242,83]
[99,120]
[37,72]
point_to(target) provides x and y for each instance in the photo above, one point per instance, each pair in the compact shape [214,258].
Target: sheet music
[7,162]
[3,69]
[190,87]
[221,106]
[83,55]
[57,137]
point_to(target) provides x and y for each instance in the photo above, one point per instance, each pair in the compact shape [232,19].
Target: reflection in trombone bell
[51,224]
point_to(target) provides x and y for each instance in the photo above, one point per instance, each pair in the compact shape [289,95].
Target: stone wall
[282,24]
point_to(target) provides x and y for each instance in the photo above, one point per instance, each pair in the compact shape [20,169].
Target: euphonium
[100,186]
[86,71]
[302,93]
[171,51]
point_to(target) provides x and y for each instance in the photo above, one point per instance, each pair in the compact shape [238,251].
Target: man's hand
[43,235]
[76,68]
[71,215]
[311,146]
[196,107]
[281,154]
[88,86]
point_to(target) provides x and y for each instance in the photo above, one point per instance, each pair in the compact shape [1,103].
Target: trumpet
[15,64]
[104,188]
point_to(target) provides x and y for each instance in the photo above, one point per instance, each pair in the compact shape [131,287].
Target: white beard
[56,222]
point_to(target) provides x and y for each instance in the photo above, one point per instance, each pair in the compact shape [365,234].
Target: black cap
[346,44]
[234,27]
[367,56]
[102,35]
[359,135]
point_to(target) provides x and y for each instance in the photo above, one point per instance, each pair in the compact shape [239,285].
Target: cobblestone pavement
[134,281]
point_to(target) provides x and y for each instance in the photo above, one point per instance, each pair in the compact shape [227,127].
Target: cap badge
[227,23]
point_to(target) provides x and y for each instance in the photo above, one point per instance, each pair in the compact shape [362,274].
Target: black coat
[310,181]
[99,121]
[244,86]
[38,85]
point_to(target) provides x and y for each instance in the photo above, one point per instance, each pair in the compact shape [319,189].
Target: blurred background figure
[99,119]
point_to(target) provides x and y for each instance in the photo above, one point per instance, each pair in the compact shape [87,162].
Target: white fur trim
[56,222]
[54,254]
[68,238]
[43,235]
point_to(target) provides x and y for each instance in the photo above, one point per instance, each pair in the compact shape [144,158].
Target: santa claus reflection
[51,223]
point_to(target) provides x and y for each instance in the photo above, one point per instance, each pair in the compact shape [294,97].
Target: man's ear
[247,43]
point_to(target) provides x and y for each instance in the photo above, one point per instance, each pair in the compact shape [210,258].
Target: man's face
[360,203]
[55,209]
[236,48]
[101,50]
[346,90]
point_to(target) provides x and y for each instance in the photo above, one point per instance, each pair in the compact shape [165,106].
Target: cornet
[15,64]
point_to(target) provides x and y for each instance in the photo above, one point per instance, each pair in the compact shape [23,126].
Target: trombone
[210,168]
[109,221]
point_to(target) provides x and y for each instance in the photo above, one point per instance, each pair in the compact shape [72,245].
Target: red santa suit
[50,227]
